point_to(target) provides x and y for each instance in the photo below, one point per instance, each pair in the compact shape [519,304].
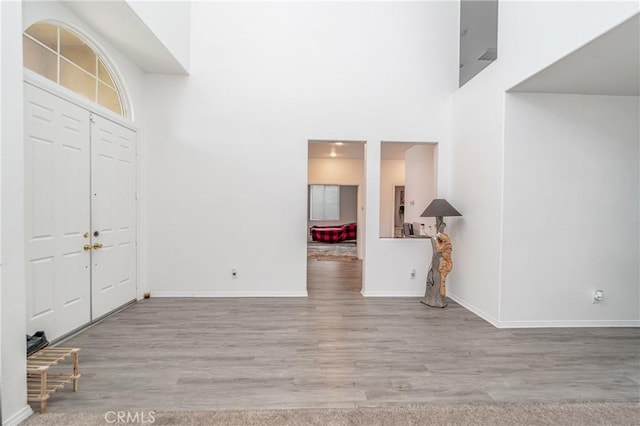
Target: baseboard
[390,294]
[479,312]
[569,323]
[542,324]
[23,414]
[226,294]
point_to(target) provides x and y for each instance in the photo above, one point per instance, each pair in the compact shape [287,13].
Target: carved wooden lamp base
[434,303]
[432,296]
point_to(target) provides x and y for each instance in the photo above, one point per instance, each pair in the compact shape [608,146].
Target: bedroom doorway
[335,216]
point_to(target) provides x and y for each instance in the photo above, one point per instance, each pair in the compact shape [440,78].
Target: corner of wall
[11,154]
[19,417]
[479,312]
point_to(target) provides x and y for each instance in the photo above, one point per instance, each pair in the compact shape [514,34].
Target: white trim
[503,135]
[542,323]
[393,207]
[569,323]
[479,312]
[226,294]
[55,89]
[391,294]
[18,417]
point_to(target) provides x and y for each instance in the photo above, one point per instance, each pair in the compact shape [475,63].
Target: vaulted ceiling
[608,65]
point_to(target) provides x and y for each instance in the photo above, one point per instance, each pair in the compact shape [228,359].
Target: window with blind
[325,202]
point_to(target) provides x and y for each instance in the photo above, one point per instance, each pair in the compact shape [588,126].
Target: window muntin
[62,56]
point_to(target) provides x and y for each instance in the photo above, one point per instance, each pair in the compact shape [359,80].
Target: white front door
[57,207]
[80,214]
[113,219]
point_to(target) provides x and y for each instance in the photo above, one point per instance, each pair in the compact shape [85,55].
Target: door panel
[57,202]
[113,215]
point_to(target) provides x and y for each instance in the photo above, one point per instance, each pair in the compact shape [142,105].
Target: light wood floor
[337,349]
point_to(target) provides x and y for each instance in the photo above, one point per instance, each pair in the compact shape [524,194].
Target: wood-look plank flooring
[337,349]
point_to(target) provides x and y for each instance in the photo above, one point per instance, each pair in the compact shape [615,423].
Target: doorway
[398,211]
[80,214]
[335,215]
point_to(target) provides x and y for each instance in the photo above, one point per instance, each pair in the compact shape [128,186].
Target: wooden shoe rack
[40,382]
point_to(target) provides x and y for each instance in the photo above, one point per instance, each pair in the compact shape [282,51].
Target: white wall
[420,185]
[164,18]
[391,174]
[265,79]
[13,331]
[476,193]
[335,171]
[531,36]
[571,196]
[388,261]
[1,139]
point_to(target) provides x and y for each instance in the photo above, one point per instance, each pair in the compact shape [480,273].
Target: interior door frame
[393,207]
[40,82]
[361,204]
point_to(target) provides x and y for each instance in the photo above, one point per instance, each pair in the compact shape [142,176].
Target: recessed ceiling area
[353,150]
[608,65]
[478,37]
[394,150]
[120,25]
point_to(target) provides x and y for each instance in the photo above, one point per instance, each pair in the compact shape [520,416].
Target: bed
[334,234]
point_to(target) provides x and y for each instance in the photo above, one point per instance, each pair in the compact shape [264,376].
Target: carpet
[579,413]
[338,257]
[339,251]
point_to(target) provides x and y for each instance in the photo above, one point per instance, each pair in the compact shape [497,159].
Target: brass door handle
[97,246]
[87,247]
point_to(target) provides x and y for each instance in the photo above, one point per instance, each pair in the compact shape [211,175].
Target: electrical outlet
[412,273]
[598,296]
[234,273]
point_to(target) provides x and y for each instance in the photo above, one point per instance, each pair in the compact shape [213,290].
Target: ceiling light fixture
[339,143]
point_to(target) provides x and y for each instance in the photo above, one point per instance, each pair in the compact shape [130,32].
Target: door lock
[96,233]
[86,235]
[97,246]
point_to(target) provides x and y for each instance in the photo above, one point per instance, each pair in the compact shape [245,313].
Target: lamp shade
[440,207]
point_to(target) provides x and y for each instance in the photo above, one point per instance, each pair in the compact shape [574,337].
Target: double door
[80,214]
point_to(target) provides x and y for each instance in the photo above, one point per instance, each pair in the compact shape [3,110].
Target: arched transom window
[64,57]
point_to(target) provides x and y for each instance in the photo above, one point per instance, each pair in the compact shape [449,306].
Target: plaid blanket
[334,234]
